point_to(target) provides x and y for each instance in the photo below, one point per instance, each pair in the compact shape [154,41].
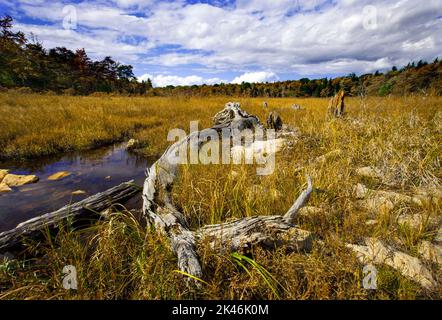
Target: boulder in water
[15,180]
[3,173]
[4,188]
[59,175]
[132,144]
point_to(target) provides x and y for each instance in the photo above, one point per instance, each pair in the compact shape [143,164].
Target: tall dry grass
[120,259]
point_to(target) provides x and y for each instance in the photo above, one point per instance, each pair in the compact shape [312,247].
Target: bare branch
[300,202]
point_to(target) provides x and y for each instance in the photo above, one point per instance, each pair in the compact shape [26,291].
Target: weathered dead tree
[158,208]
[86,208]
[233,117]
[336,105]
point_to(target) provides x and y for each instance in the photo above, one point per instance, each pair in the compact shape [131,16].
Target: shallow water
[91,171]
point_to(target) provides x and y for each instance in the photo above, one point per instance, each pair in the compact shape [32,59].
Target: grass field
[119,259]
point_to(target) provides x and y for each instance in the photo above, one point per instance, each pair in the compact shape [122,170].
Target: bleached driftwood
[87,207]
[158,208]
[267,231]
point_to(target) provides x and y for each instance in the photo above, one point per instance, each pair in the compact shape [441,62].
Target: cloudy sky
[188,42]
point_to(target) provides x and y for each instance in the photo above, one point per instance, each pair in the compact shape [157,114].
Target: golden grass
[121,259]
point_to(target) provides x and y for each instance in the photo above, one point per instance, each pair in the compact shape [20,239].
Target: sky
[188,42]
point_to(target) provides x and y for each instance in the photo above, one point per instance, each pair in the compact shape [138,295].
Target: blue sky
[194,42]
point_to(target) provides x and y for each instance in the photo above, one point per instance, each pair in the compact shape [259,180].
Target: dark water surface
[90,172]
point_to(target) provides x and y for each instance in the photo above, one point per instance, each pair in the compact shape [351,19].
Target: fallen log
[88,207]
[268,232]
[159,210]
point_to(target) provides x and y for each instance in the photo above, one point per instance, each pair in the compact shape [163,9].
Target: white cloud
[133,3]
[97,44]
[166,80]
[286,36]
[162,80]
[253,77]
[262,35]
[343,66]
[427,43]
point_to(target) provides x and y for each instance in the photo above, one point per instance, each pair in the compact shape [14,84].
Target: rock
[78,192]
[394,196]
[3,173]
[414,221]
[108,178]
[374,251]
[360,191]
[429,195]
[376,205]
[59,175]
[431,252]
[4,188]
[371,222]
[132,144]
[15,180]
[369,172]
[375,200]
[329,155]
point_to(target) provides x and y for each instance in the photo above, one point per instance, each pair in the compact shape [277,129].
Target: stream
[90,171]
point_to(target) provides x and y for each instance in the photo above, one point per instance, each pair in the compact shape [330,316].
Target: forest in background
[25,65]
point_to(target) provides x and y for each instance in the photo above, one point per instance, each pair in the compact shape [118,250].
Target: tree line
[27,64]
[415,78]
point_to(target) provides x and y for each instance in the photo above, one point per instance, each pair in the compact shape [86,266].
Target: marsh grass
[120,259]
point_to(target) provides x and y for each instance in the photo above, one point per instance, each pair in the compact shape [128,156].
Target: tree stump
[274,121]
[336,106]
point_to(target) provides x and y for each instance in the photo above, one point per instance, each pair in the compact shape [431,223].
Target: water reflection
[90,171]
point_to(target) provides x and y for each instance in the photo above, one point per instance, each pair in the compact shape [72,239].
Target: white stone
[132,144]
[369,172]
[374,251]
[431,252]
